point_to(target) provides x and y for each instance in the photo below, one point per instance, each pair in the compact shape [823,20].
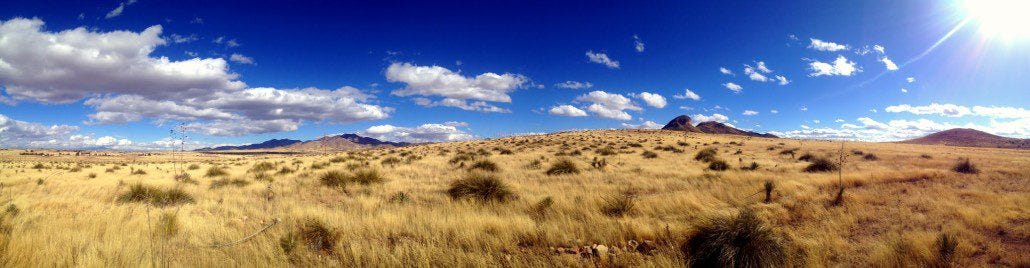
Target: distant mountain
[970,138]
[269,144]
[331,143]
[342,143]
[682,123]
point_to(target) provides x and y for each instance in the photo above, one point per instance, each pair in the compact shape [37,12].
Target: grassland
[639,195]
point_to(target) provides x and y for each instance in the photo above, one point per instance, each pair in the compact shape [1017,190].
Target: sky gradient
[121,75]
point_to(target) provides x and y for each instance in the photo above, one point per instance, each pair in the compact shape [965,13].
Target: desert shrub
[619,205]
[484,165]
[317,237]
[38,166]
[75,169]
[706,155]
[871,157]
[483,187]
[683,143]
[400,197]
[317,165]
[790,152]
[752,166]
[806,157]
[92,176]
[147,194]
[215,184]
[945,246]
[535,164]
[215,171]
[857,152]
[821,165]
[366,177]
[563,166]
[926,156]
[333,178]
[284,170]
[137,172]
[461,157]
[506,152]
[649,154]
[193,167]
[599,163]
[718,165]
[168,224]
[541,207]
[12,210]
[965,166]
[337,159]
[839,198]
[184,178]
[741,241]
[263,177]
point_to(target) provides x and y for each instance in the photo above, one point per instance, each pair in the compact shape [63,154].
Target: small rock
[600,250]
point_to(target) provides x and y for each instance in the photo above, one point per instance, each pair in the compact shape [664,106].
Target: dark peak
[681,123]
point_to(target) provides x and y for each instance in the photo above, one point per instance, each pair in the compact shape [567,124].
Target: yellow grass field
[68,210]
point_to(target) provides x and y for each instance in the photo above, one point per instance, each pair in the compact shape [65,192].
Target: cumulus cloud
[910,79]
[603,59]
[750,112]
[880,49]
[117,11]
[179,39]
[754,75]
[651,99]
[22,134]
[1002,112]
[638,44]
[894,130]
[841,66]
[949,110]
[455,88]
[725,71]
[574,85]
[242,127]
[714,117]
[687,94]
[567,110]
[821,45]
[889,63]
[782,80]
[644,125]
[609,105]
[734,87]
[424,133]
[66,66]
[240,58]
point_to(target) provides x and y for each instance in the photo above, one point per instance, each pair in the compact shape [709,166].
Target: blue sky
[91,74]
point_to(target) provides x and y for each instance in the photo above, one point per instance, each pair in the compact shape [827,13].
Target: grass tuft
[482,187]
[964,166]
[741,241]
[821,165]
[563,166]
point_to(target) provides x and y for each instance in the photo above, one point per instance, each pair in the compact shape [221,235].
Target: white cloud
[754,75]
[761,67]
[687,94]
[63,67]
[889,63]
[821,45]
[815,121]
[949,110]
[240,58]
[734,87]
[21,134]
[609,105]
[750,112]
[644,125]
[903,90]
[872,130]
[1002,112]
[118,10]
[424,133]
[774,111]
[782,80]
[179,39]
[574,85]
[222,40]
[714,117]
[880,49]
[480,106]
[652,99]
[725,71]
[839,120]
[910,79]
[567,110]
[454,87]
[242,127]
[602,59]
[841,66]
[804,108]
[638,44]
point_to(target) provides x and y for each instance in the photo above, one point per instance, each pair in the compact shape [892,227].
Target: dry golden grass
[895,208]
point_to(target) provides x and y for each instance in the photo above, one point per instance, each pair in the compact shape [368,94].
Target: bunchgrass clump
[718,165]
[563,166]
[366,176]
[821,165]
[482,187]
[262,167]
[484,165]
[870,157]
[741,241]
[706,155]
[237,182]
[155,196]
[945,247]
[168,224]
[215,171]
[317,237]
[619,206]
[806,157]
[649,154]
[966,167]
[769,186]
[334,178]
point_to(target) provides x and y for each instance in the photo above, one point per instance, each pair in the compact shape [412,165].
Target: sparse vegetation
[649,154]
[155,196]
[965,166]
[718,165]
[484,165]
[215,171]
[741,241]
[706,155]
[482,187]
[619,205]
[821,165]
[563,166]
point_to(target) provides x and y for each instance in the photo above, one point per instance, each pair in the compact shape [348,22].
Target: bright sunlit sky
[121,75]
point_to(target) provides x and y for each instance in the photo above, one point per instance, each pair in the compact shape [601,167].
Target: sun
[1009,19]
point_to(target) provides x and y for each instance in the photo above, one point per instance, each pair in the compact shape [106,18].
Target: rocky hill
[970,138]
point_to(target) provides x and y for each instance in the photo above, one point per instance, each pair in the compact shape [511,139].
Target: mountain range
[331,143]
[683,123]
[970,138]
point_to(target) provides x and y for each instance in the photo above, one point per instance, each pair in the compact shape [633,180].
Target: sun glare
[1009,19]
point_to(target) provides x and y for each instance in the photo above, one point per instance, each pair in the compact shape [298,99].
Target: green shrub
[718,165]
[966,167]
[706,155]
[155,196]
[334,178]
